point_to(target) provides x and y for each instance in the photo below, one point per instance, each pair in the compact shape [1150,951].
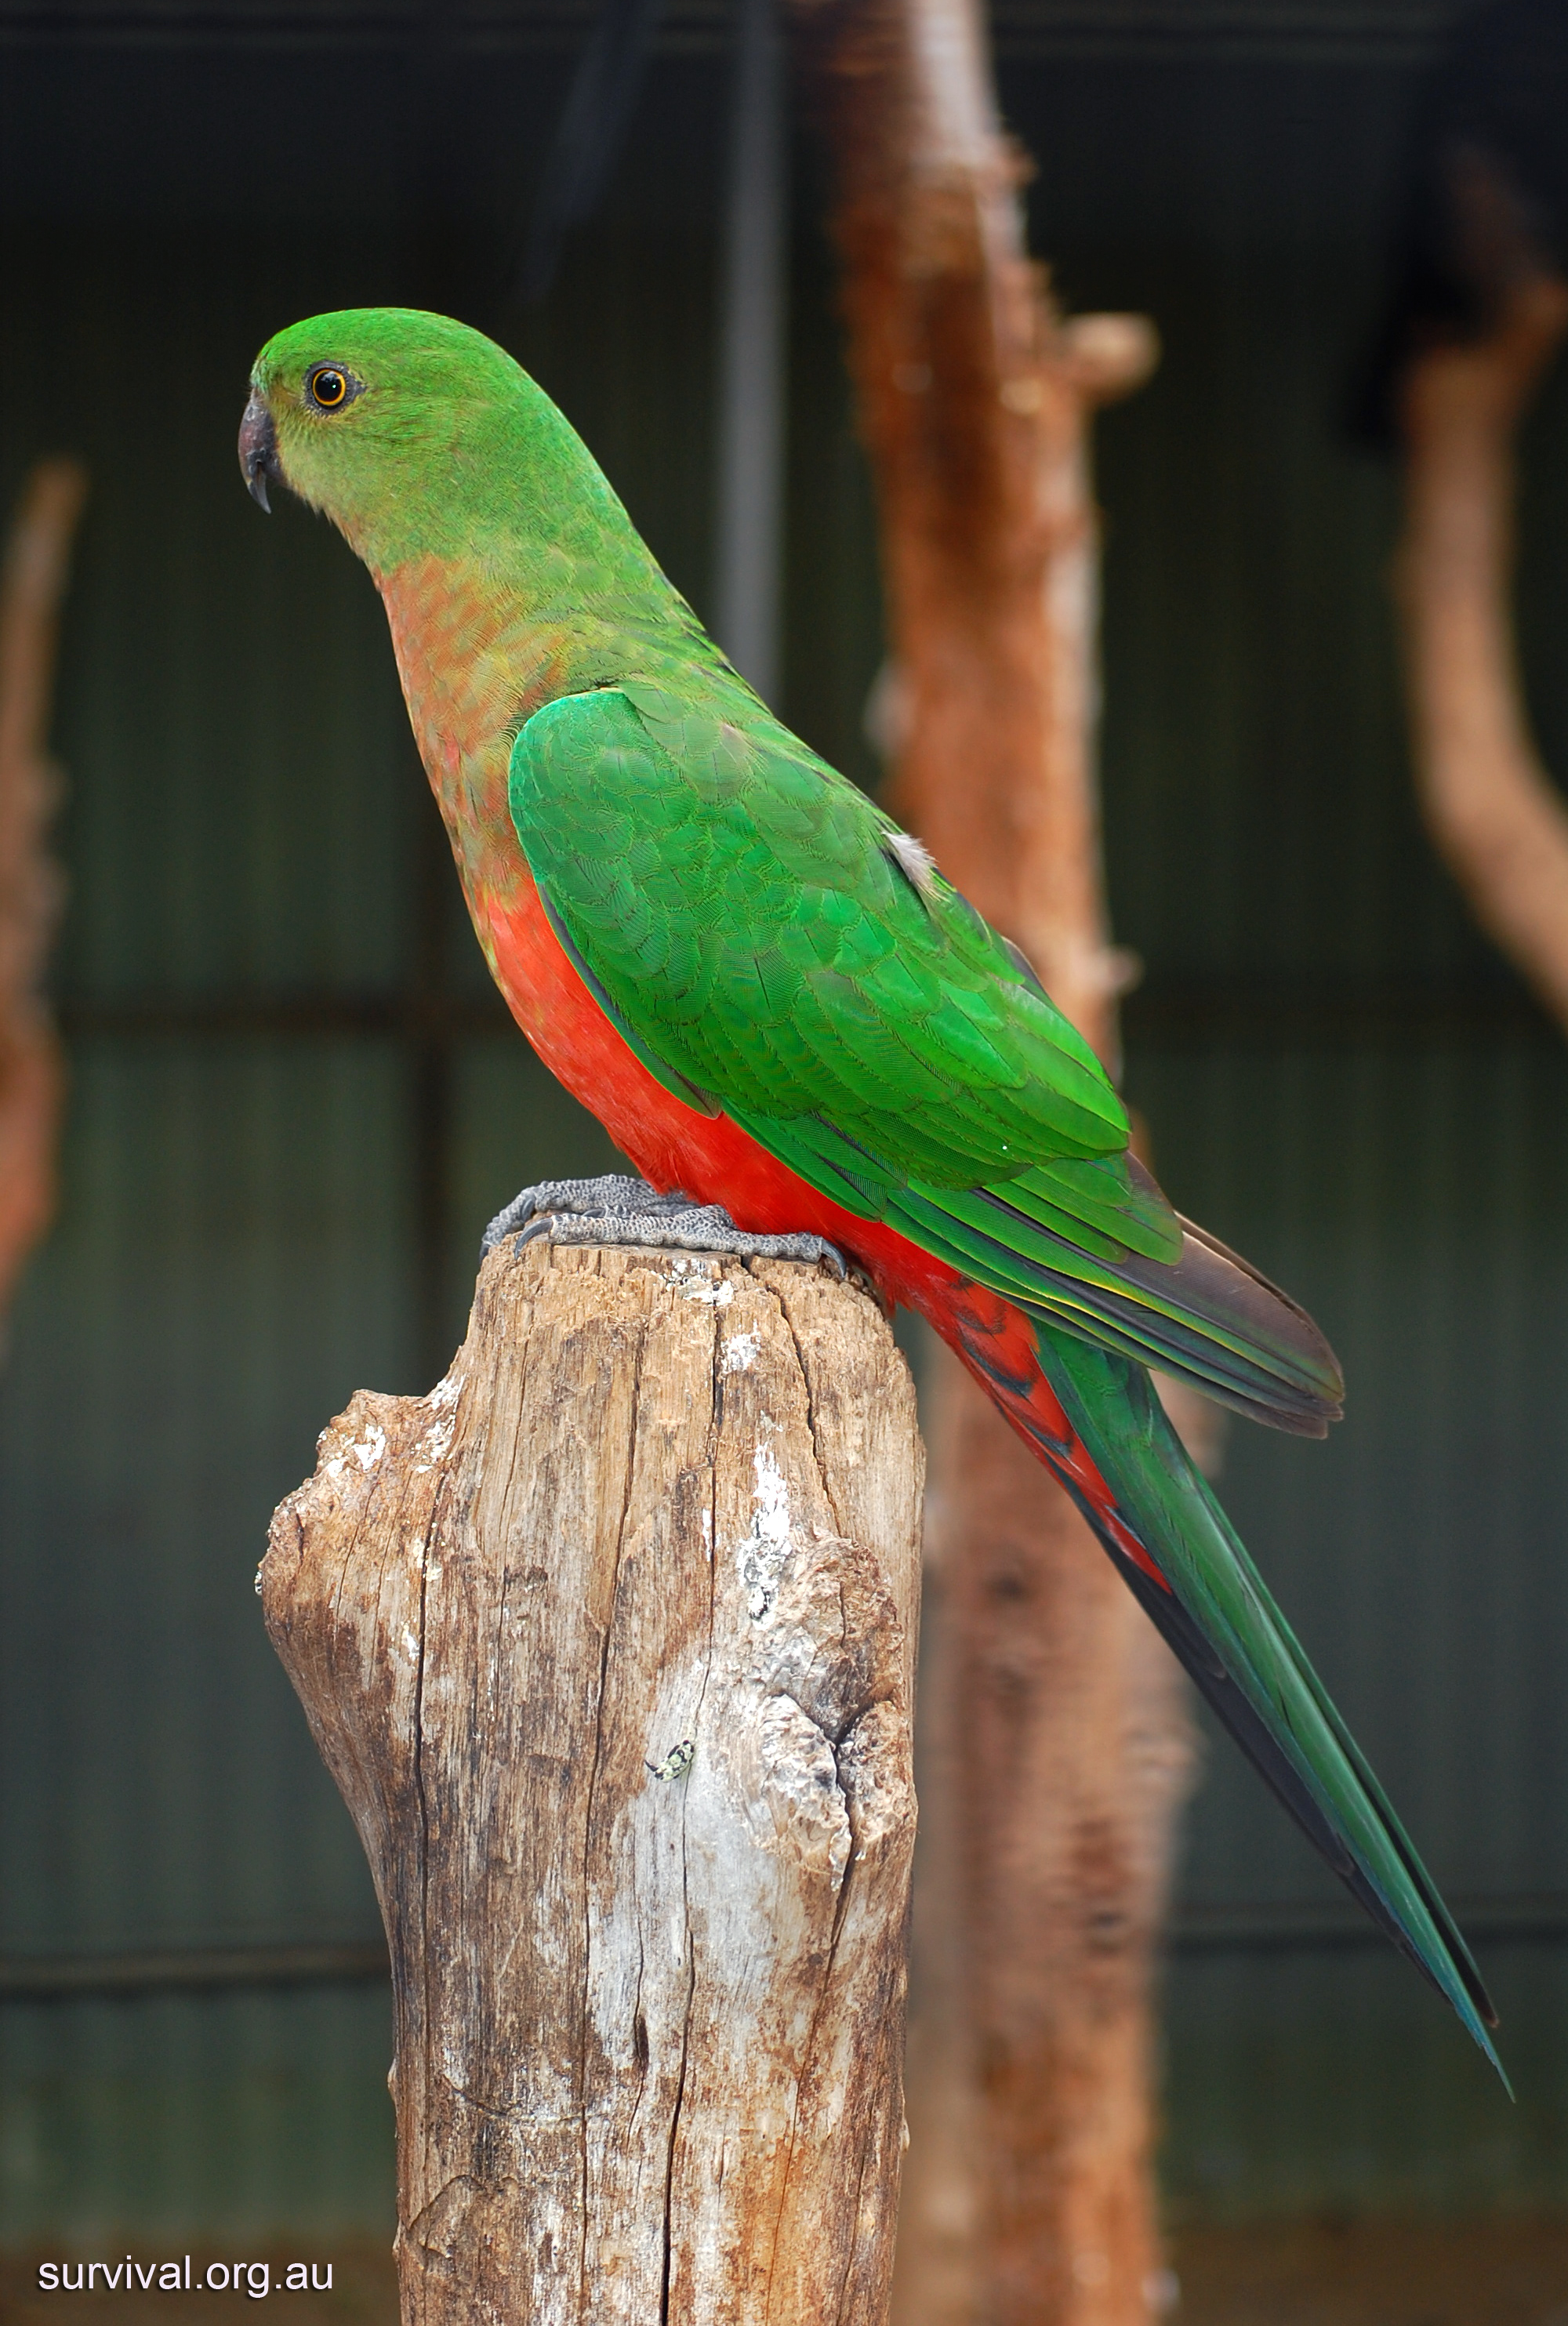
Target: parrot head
[412,432]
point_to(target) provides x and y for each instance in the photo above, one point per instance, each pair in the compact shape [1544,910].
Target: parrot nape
[804,1037]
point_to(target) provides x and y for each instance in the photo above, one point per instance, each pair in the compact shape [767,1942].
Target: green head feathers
[419,437]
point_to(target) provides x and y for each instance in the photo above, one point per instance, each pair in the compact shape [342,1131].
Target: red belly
[708,1157]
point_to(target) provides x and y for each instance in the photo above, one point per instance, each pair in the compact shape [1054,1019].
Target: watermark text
[256,2278]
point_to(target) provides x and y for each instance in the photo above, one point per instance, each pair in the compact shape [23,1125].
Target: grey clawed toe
[610,1197]
[615,1210]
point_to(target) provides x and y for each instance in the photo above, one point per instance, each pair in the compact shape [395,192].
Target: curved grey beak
[258,458]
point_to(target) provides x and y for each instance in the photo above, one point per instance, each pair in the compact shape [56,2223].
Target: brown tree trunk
[1490,807]
[32,1081]
[1055,1721]
[608,1643]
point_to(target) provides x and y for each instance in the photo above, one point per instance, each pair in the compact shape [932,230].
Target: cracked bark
[649,2032]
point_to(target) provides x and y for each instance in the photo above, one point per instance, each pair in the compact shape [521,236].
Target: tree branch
[1494,813]
[32,1080]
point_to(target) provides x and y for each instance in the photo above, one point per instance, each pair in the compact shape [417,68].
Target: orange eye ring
[329,388]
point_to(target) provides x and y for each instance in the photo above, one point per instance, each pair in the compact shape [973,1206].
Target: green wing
[770,944]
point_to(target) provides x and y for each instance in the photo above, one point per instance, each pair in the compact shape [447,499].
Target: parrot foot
[620,1210]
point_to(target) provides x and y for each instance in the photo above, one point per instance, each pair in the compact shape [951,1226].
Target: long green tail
[1123,1463]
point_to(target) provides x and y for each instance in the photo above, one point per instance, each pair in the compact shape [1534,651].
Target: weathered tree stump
[608,1644]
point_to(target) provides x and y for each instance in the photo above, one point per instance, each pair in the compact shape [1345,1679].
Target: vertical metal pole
[751,356]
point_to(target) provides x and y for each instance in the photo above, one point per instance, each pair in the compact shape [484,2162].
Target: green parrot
[807,1041]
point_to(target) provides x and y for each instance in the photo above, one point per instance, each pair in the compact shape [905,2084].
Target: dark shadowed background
[294,1099]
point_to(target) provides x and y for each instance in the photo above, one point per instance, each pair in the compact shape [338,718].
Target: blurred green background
[294,1100]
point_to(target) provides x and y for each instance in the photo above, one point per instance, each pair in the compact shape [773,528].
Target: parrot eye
[329,388]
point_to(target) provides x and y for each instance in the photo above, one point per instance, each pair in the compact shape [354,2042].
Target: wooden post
[608,1644]
[1055,1736]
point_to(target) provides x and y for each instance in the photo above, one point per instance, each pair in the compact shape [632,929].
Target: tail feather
[1093,1416]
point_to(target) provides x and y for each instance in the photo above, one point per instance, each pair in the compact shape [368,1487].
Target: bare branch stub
[608,1644]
